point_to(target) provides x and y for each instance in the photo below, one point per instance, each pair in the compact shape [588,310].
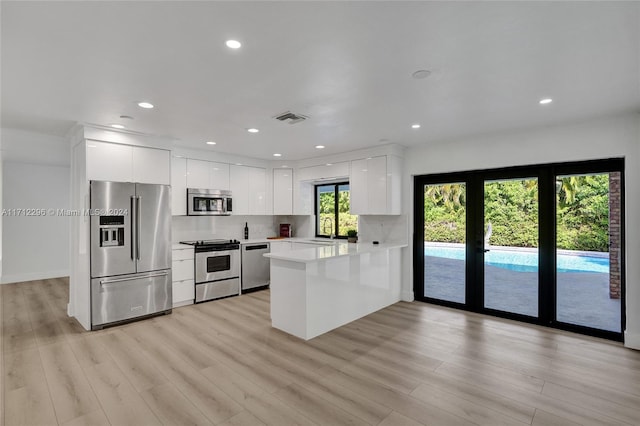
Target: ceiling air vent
[291,118]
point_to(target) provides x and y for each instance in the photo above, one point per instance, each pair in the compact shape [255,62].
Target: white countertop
[178,246]
[324,252]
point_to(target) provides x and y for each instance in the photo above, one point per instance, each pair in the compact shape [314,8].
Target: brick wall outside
[614,236]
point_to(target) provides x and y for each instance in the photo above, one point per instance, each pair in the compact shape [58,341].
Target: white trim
[631,341]
[17,278]
[407,296]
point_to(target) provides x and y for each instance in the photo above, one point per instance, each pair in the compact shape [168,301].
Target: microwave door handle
[138,225]
[133,225]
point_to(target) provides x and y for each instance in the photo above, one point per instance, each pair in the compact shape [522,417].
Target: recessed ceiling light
[211,143]
[277,155]
[238,164]
[420,74]
[252,130]
[284,165]
[329,164]
[146,105]
[117,126]
[415,126]
[545,101]
[233,44]
[319,146]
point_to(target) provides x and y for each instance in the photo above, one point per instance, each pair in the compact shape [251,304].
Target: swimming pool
[525,261]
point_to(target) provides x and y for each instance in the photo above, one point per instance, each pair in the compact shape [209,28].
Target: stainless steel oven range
[217,268]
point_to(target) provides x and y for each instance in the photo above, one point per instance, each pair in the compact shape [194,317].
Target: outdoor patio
[583,297]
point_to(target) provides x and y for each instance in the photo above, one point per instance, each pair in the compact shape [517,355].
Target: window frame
[336,212]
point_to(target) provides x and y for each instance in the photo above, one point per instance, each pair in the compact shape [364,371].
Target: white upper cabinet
[375,185]
[257,191]
[198,175]
[178,186]
[248,190]
[239,182]
[207,174]
[126,163]
[283,191]
[219,176]
[151,165]
[109,161]
[325,171]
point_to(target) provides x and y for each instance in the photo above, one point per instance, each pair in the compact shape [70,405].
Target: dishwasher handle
[257,247]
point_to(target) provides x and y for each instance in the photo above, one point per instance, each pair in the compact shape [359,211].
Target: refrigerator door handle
[138,225]
[138,277]
[133,226]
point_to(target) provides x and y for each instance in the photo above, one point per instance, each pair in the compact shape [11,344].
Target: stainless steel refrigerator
[130,251]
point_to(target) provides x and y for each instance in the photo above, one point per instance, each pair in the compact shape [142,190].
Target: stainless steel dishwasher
[255,267]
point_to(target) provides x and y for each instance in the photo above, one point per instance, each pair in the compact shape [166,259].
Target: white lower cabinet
[183,283]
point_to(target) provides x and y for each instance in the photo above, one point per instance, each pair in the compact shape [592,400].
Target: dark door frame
[474,266]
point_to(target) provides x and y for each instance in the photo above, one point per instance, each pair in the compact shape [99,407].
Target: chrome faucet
[324,226]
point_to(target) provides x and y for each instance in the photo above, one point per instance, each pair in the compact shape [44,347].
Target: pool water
[525,261]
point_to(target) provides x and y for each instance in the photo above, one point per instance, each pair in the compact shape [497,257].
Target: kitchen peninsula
[317,289]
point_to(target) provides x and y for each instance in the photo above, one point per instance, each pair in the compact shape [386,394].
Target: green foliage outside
[346,221]
[511,206]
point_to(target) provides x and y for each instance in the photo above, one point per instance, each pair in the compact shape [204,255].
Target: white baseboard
[407,296]
[632,340]
[17,278]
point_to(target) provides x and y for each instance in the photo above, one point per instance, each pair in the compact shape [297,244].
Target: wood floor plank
[94,418]
[316,408]
[70,391]
[208,398]
[172,407]
[477,413]
[542,418]
[131,361]
[397,419]
[243,418]
[119,400]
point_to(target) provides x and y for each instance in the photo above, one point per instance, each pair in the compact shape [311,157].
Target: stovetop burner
[210,242]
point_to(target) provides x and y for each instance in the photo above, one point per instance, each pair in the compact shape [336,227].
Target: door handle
[133,225]
[120,280]
[138,217]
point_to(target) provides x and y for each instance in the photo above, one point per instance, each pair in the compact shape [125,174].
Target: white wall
[594,139]
[35,247]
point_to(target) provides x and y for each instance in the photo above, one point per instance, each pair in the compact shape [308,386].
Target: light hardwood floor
[221,363]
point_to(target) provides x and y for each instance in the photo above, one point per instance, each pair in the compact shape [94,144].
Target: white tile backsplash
[385,229]
[185,228]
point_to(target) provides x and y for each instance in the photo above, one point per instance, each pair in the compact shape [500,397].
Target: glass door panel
[588,254]
[346,220]
[444,241]
[511,246]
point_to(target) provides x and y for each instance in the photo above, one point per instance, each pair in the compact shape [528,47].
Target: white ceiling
[347,65]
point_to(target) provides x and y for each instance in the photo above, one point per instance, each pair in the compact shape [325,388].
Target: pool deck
[582,297]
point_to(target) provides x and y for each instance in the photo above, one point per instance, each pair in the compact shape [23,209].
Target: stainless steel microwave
[208,202]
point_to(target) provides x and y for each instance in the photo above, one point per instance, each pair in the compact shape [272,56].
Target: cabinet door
[358,186]
[239,184]
[257,191]
[377,185]
[283,191]
[198,174]
[151,165]
[109,161]
[178,186]
[219,176]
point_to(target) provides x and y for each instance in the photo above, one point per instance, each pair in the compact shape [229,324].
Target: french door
[542,244]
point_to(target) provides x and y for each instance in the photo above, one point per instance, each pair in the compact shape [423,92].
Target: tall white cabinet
[375,185]
[178,186]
